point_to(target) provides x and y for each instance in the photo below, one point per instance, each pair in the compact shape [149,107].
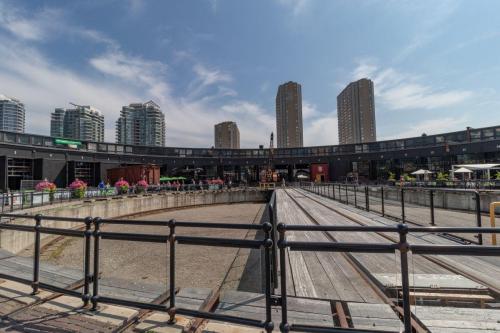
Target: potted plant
[142,186]
[46,186]
[122,186]
[79,188]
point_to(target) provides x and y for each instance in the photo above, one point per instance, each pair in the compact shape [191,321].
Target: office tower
[227,135]
[141,124]
[289,115]
[356,113]
[12,114]
[83,122]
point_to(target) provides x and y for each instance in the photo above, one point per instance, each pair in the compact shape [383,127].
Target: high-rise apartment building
[141,124]
[12,114]
[83,122]
[289,115]
[356,113]
[227,135]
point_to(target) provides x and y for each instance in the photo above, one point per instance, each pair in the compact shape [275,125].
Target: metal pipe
[367,199]
[403,205]
[95,290]
[405,283]
[355,188]
[171,241]
[86,262]
[268,243]
[478,216]
[431,198]
[284,326]
[382,197]
[346,196]
[36,256]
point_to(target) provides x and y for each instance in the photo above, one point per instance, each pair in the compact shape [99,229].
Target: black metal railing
[377,199]
[15,201]
[264,243]
[402,246]
[91,231]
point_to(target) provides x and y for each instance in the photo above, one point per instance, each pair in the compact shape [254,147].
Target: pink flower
[123,184]
[142,183]
[78,184]
[45,186]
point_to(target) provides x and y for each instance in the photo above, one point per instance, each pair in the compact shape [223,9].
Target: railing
[365,197]
[14,201]
[92,232]
[402,246]
[171,240]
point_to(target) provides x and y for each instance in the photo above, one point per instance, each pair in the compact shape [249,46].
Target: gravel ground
[197,266]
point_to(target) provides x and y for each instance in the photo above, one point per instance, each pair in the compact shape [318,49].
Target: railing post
[284,326]
[431,203]
[273,238]
[478,216]
[367,199]
[36,256]
[268,243]
[333,191]
[340,194]
[382,197]
[355,188]
[86,262]
[403,205]
[95,278]
[32,195]
[11,202]
[346,195]
[171,241]
[405,283]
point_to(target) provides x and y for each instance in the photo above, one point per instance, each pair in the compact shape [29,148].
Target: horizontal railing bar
[15,279]
[148,238]
[59,290]
[223,242]
[134,304]
[319,329]
[220,317]
[464,230]
[244,226]
[342,247]
[301,227]
[184,224]
[17,227]
[62,232]
[478,250]
[45,218]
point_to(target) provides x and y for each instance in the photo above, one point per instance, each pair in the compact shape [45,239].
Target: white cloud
[430,126]
[397,91]
[297,7]
[309,110]
[322,130]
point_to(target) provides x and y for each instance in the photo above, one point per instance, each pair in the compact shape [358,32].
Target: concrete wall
[448,199]
[15,241]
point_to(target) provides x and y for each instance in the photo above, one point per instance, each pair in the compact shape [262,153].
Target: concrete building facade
[141,124]
[227,135]
[356,113]
[289,130]
[83,122]
[12,114]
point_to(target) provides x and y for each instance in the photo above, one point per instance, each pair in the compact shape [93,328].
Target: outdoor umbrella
[462,170]
[421,172]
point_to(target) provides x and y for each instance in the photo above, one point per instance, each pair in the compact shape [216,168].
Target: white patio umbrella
[462,170]
[421,172]
[302,177]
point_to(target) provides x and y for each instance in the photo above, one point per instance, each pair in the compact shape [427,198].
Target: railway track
[478,278]
[416,324]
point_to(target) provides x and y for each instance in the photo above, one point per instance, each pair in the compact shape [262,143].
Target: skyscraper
[289,115]
[227,135]
[141,124]
[356,113]
[83,122]
[12,116]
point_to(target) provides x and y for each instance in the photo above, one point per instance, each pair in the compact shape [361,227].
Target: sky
[435,64]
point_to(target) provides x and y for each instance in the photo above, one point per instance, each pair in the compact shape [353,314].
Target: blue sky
[435,64]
